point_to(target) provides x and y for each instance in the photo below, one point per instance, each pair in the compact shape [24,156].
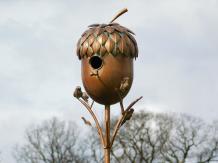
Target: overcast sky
[176,70]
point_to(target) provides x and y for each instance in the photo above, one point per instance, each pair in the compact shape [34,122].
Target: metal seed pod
[106,52]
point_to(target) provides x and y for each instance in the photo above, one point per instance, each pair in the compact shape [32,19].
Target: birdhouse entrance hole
[96,62]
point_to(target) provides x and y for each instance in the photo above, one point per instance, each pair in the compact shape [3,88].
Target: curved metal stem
[116,129]
[133,103]
[105,140]
[120,120]
[119,14]
[99,129]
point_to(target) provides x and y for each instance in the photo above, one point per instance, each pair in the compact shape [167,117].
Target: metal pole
[107,147]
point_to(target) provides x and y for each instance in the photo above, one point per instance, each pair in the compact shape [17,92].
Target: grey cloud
[176,69]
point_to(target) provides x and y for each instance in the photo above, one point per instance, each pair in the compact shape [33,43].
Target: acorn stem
[121,12]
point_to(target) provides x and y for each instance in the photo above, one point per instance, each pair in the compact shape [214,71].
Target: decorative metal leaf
[103,25]
[132,38]
[98,31]
[81,54]
[103,50]
[89,51]
[109,45]
[132,49]
[122,45]
[85,47]
[119,29]
[109,29]
[96,46]
[94,25]
[115,51]
[78,47]
[130,31]
[135,45]
[90,31]
[136,51]
[102,39]
[111,39]
[113,24]
[83,39]
[91,39]
[84,32]
[127,50]
[115,37]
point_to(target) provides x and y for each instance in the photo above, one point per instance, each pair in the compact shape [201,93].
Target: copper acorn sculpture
[107,52]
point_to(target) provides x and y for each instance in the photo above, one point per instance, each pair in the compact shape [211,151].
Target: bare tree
[162,138]
[138,141]
[53,141]
[142,138]
[187,135]
[94,148]
[209,151]
[146,138]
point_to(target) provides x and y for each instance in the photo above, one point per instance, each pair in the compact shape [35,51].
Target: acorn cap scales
[107,39]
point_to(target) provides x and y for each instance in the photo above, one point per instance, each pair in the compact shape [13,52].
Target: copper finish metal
[105,139]
[107,133]
[102,87]
[117,47]
[108,36]
[121,12]
[107,52]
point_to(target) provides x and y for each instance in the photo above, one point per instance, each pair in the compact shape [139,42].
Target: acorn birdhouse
[106,52]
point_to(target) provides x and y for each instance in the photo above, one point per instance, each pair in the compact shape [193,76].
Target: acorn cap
[107,39]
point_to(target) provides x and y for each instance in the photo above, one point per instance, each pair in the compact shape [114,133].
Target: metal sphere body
[104,87]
